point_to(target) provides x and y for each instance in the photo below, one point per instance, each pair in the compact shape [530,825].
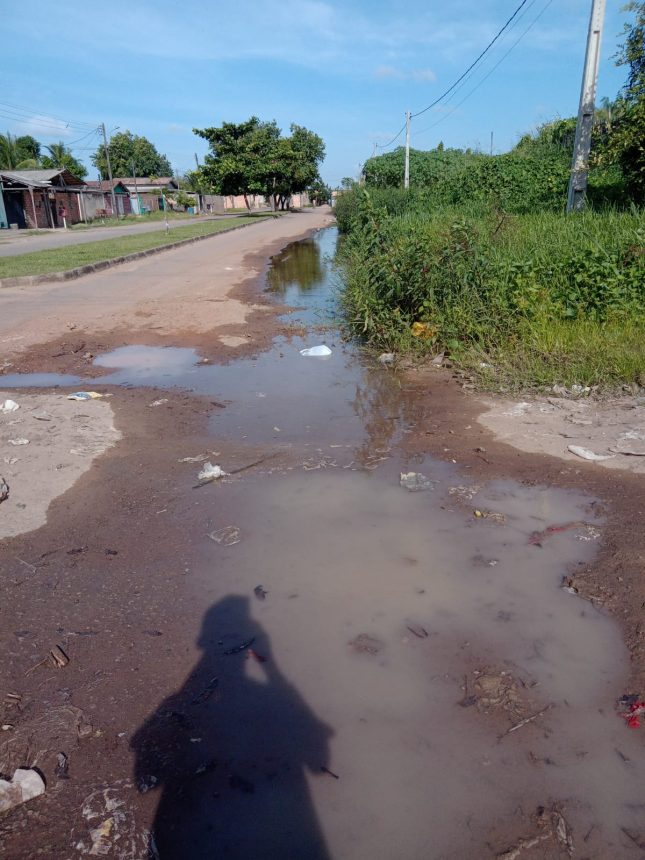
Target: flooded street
[373,655]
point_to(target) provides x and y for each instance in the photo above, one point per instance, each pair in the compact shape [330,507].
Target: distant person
[240,791]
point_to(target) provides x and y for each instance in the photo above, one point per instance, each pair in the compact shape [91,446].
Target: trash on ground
[386,358]
[586,454]
[416,482]
[56,657]
[24,785]
[241,647]
[493,516]
[437,361]
[210,472]
[526,721]
[423,330]
[227,536]
[41,415]
[466,494]
[635,710]
[20,441]
[365,644]
[316,351]
[62,766]
[536,538]
[198,459]
[258,657]
[9,406]
[260,593]
[84,395]
[159,402]
[4,489]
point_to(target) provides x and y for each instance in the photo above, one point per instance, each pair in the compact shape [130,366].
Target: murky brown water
[398,637]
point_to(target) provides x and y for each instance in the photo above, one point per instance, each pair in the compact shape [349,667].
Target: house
[103,188]
[147,193]
[40,198]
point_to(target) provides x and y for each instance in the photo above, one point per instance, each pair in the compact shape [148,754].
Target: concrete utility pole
[200,193]
[136,190]
[115,213]
[406,178]
[584,127]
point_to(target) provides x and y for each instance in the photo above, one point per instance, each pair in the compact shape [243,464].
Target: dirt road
[355,644]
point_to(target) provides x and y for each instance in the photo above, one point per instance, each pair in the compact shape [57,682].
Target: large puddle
[419,683]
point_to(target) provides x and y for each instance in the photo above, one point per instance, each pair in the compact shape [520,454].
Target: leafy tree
[626,144]
[17,152]
[60,155]
[318,192]
[252,157]
[127,149]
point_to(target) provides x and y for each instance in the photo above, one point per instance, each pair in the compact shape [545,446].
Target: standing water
[390,667]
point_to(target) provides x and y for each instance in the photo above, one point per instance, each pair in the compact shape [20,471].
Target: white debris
[316,351]
[386,358]
[9,406]
[210,472]
[23,786]
[586,454]
[18,441]
[228,536]
[416,482]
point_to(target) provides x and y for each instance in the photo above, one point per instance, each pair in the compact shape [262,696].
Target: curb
[79,271]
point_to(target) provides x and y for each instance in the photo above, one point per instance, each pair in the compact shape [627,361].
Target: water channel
[398,637]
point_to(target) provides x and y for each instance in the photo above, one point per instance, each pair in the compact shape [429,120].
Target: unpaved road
[306,659]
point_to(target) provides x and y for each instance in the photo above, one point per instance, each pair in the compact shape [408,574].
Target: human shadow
[229,752]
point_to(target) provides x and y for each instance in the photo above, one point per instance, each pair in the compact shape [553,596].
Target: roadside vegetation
[61,259]
[478,259]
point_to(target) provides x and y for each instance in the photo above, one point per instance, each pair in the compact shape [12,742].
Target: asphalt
[13,243]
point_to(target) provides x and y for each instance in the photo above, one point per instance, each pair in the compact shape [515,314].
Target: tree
[252,157]
[318,192]
[18,152]
[59,156]
[126,150]
[626,144]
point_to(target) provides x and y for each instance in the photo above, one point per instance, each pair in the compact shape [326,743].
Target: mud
[364,671]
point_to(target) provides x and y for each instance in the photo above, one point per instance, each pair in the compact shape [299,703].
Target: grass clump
[523,300]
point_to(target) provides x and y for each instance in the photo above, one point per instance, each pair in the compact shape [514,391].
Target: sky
[346,70]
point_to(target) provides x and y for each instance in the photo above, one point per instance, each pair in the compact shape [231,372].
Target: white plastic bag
[9,406]
[316,351]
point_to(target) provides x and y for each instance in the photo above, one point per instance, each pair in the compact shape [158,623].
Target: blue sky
[347,70]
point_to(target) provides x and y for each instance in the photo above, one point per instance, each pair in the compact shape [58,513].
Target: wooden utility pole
[406,178]
[584,126]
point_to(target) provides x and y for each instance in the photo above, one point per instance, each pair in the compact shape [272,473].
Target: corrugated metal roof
[41,178]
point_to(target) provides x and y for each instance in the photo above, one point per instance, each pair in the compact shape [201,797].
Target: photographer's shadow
[229,751]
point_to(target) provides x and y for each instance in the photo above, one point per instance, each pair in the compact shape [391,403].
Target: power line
[22,113]
[489,73]
[472,65]
[396,137]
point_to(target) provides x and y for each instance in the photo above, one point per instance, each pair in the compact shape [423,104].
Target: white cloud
[401,75]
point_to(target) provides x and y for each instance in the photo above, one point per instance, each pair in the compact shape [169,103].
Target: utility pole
[491,143]
[584,126]
[115,213]
[406,178]
[136,190]
[200,193]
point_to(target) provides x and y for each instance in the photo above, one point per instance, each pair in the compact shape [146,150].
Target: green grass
[61,259]
[518,301]
[132,219]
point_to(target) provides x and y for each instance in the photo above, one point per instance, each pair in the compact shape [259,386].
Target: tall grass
[535,298]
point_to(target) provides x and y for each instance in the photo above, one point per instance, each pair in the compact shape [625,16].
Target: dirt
[119,576]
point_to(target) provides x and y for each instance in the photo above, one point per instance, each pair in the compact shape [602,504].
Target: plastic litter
[586,454]
[227,536]
[24,785]
[635,710]
[437,361]
[423,330]
[415,482]
[18,441]
[4,489]
[210,472]
[9,406]
[316,351]
[386,358]
[260,592]
[84,395]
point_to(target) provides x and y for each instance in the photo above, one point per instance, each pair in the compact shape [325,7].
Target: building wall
[40,218]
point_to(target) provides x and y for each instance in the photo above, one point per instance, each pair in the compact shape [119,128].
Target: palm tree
[11,156]
[58,152]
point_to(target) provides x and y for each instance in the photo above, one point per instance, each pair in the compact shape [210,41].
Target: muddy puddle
[389,667]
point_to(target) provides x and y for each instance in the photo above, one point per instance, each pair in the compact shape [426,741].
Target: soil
[75,583]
